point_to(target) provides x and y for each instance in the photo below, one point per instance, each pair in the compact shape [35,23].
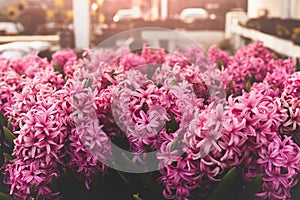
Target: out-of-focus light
[101,18]
[100,2]
[50,15]
[94,6]
[11,11]
[116,18]
[69,15]
[213,16]
[24,1]
[211,6]
[59,3]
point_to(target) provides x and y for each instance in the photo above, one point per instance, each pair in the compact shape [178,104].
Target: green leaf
[230,85]
[37,198]
[32,186]
[253,79]
[251,189]
[3,123]
[295,192]
[88,83]
[5,196]
[249,83]
[54,185]
[3,120]
[220,64]
[113,73]
[298,65]
[66,78]
[224,188]
[248,86]
[136,197]
[129,162]
[9,136]
[236,93]
[1,132]
[171,125]
[8,156]
[175,144]
[122,175]
[58,68]
[273,57]
[9,125]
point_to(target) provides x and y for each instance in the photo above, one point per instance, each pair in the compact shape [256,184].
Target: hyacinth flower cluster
[88,142]
[38,150]
[289,106]
[65,62]
[253,135]
[37,123]
[10,82]
[201,114]
[252,63]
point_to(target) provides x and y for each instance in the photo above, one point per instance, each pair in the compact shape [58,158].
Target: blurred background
[76,24]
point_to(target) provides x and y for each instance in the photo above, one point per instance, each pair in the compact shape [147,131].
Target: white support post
[154,9]
[81,9]
[164,9]
[289,8]
[293,8]
[285,8]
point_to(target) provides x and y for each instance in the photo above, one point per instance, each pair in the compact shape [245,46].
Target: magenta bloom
[63,57]
[179,179]
[30,65]
[131,60]
[292,85]
[66,62]
[289,105]
[279,72]
[39,149]
[151,56]
[9,84]
[65,114]
[21,175]
[255,50]
[280,162]
[218,56]
[89,145]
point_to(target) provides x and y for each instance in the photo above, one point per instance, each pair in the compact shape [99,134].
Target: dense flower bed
[252,133]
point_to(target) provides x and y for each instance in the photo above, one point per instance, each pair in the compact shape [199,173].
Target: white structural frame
[82,26]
